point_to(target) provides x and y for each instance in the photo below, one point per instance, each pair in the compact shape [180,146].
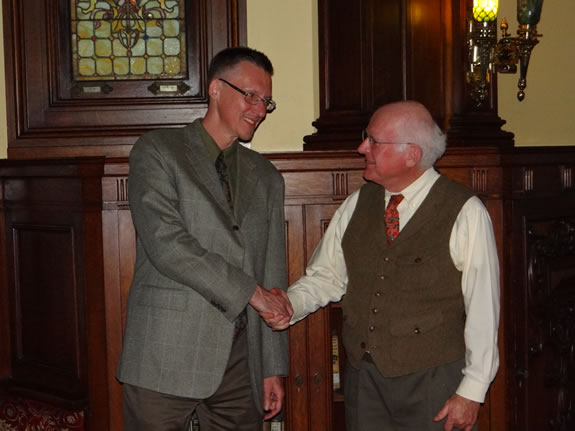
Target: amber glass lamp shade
[529,11]
[485,10]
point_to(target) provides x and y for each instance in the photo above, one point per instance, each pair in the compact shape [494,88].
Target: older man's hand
[461,413]
[274,307]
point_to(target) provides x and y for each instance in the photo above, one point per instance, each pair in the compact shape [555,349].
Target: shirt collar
[213,149]
[416,192]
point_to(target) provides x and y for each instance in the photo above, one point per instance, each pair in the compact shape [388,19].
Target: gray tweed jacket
[197,265]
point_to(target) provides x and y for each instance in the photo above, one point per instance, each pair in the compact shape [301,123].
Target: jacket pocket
[162,297]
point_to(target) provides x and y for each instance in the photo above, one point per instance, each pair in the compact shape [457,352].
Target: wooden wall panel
[47,306]
[80,206]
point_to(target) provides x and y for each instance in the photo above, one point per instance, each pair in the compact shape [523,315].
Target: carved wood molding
[122,189]
[479,182]
[566,173]
[528,179]
[340,185]
[551,307]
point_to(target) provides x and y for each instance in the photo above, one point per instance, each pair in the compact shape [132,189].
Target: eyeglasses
[252,98]
[365,135]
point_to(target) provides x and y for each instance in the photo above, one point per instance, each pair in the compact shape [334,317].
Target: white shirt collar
[415,193]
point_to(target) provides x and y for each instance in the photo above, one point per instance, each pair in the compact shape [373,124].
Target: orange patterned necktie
[392,217]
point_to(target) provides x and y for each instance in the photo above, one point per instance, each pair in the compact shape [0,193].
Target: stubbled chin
[248,134]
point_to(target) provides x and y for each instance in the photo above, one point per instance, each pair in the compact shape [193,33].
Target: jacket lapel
[246,183]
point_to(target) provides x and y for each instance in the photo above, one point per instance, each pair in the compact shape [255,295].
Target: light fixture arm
[487,55]
[512,50]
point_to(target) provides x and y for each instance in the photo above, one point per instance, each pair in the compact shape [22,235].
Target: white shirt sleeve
[325,278]
[474,252]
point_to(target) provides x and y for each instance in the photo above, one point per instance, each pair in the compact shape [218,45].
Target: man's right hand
[274,307]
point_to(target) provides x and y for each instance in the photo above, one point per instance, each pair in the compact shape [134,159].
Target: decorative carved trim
[551,311]
[340,184]
[566,177]
[479,180]
[528,178]
[122,189]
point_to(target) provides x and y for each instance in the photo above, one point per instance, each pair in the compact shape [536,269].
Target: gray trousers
[406,403]
[230,408]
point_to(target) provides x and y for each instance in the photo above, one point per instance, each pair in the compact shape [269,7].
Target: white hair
[415,125]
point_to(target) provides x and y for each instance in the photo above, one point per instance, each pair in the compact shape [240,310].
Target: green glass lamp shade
[529,11]
[485,10]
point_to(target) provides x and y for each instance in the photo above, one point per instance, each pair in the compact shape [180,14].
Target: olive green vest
[404,303]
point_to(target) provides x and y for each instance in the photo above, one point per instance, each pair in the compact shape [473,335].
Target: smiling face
[230,117]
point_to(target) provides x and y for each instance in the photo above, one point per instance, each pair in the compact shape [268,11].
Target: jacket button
[378,294]
[374,310]
[417,331]
[418,260]
[372,328]
[386,259]
[235,227]
[362,345]
[382,277]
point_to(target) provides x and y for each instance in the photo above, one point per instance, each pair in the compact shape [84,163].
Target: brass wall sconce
[487,55]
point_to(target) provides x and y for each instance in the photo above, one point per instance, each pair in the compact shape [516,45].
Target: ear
[214,88]
[413,156]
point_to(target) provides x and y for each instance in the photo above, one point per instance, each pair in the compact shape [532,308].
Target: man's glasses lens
[251,98]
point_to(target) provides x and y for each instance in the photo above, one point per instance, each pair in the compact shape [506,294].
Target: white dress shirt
[474,253]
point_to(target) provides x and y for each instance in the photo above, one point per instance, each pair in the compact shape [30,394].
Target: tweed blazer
[197,265]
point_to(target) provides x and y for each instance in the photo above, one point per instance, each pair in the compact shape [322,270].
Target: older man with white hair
[413,255]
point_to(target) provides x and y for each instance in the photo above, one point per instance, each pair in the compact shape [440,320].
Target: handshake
[274,307]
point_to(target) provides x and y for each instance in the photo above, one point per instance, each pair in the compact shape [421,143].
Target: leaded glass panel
[128,39]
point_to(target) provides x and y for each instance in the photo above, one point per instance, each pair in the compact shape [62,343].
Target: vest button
[382,277]
[417,331]
[372,328]
[374,310]
[235,227]
[362,345]
[418,260]
[378,294]
[386,259]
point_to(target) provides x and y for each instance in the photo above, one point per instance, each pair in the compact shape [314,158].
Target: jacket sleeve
[275,344]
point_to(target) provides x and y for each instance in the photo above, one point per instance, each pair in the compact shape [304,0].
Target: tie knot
[394,201]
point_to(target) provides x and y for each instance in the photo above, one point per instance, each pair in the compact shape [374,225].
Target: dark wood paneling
[375,52]
[80,206]
[47,306]
[53,252]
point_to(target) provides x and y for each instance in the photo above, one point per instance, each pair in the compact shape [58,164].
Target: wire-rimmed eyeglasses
[372,141]
[252,98]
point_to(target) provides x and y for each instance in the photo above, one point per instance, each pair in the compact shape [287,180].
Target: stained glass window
[128,39]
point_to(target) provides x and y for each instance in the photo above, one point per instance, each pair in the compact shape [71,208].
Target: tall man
[208,214]
[421,283]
